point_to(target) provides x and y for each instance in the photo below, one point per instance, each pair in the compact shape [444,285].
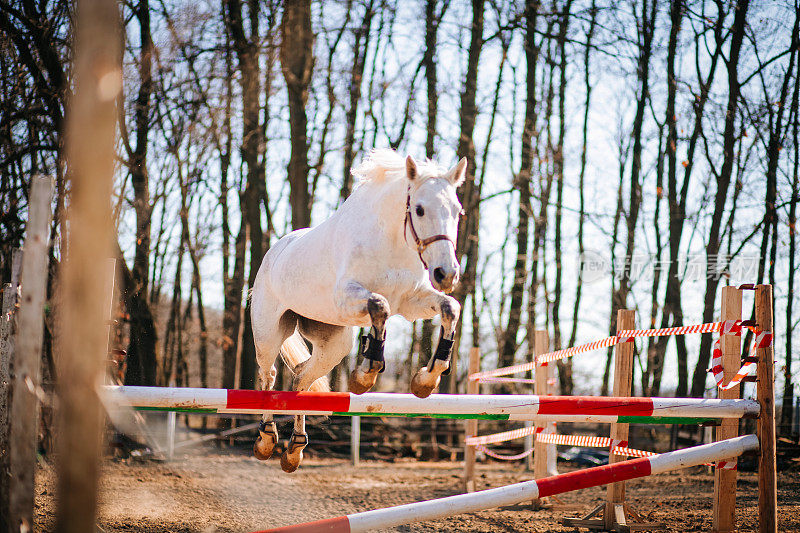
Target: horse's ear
[458,173]
[411,169]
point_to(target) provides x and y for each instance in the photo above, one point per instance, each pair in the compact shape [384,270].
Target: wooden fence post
[541,345]
[355,440]
[26,366]
[6,353]
[473,387]
[765,390]
[724,513]
[623,381]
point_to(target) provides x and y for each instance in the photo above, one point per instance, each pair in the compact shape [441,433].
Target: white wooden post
[26,379]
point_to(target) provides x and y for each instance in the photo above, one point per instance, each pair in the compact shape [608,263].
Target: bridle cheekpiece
[421,244]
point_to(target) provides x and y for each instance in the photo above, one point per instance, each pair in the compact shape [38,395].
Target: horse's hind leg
[357,302]
[269,332]
[267,431]
[330,345]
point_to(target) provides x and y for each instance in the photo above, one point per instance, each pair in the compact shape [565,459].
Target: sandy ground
[212,490]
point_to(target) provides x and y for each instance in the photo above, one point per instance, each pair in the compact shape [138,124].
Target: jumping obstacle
[465,406]
[528,490]
[612,514]
[619,410]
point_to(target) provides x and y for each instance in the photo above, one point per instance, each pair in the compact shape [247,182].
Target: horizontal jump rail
[508,407]
[528,490]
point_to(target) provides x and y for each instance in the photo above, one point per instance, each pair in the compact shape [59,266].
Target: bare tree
[788,388]
[143,337]
[723,178]
[361,41]
[564,366]
[647,28]
[582,173]
[522,182]
[297,62]
[469,193]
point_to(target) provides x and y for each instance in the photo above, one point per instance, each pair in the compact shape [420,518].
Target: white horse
[389,249]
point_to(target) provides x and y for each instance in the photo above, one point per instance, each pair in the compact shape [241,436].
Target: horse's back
[298,273]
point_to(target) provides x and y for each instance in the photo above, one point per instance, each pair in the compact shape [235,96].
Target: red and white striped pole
[508,406]
[528,490]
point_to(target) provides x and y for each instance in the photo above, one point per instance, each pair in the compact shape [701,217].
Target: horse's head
[432,221]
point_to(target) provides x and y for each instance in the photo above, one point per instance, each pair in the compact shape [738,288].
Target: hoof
[265,444]
[425,380]
[290,463]
[361,381]
[293,455]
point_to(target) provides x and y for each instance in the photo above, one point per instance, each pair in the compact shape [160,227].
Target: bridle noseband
[421,244]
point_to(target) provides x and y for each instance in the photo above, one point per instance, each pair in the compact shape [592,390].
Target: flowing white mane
[387,165]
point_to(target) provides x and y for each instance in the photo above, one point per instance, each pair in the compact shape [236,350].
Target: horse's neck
[388,202]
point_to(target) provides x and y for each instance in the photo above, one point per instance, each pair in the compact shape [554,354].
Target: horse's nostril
[438,274]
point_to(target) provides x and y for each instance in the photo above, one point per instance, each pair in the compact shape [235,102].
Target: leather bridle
[421,244]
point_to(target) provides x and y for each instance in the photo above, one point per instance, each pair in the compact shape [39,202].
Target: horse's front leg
[427,378]
[357,302]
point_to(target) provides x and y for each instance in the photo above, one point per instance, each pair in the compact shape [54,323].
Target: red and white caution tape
[527,381]
[624,451]
[494,438]
[734,327]
[727,327]
[617,446]
[569,352]
[494,455]
[544,358]
[710,327]
[623,336]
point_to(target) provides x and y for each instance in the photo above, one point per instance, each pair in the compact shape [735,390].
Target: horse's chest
[393,284]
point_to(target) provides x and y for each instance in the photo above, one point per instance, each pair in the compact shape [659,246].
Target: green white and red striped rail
[498,407]
[528,490]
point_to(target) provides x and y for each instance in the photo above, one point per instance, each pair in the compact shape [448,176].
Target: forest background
[622,155]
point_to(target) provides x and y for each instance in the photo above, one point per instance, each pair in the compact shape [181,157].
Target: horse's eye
[420,211]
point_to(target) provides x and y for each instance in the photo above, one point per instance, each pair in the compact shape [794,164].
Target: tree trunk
[297,62]
[253,148]
[676,198]
[787,402]
[777,134]
[431,27]
[231,318]
[657,346]
[620,296]
[361,34]
[142,362]
[564,365]
[653,344]
[469,192]
[582,174]
[522,183]
[723,182]
[634,202]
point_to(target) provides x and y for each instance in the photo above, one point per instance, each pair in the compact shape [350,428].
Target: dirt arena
[211,490]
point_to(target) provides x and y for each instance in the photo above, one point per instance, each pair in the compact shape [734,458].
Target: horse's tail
[295,354]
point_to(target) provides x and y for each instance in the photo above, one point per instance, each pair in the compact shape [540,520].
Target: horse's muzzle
[444,279]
